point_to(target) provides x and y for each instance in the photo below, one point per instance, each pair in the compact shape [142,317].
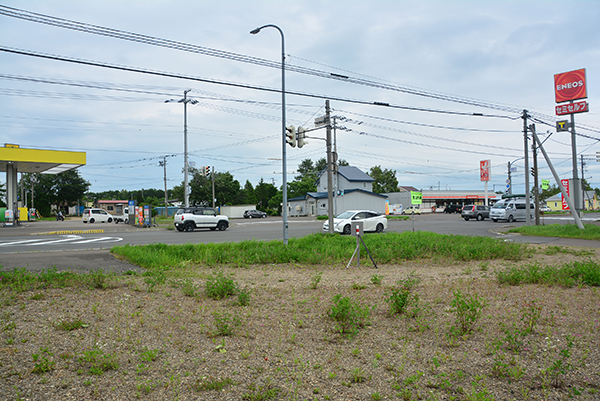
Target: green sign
[545,184]
[416,198]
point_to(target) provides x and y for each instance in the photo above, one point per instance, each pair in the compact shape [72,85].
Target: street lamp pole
[283,133]
[185,101]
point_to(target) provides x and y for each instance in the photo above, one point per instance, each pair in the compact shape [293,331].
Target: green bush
[567,275]
[402,296]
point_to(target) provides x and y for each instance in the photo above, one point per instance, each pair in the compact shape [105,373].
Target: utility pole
[583,182]
[535,179]
[329,168]
[509,181]
[576,183]
[164,164]
[526,150]
[213,187]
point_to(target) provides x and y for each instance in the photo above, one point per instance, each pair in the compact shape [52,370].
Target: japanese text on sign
[416,198]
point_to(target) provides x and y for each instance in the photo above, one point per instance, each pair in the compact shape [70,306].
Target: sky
[456,75]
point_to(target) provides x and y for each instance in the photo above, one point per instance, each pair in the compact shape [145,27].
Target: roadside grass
[568,275]
[324,249]
[591,231]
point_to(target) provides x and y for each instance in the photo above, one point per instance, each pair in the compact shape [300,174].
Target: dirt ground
[134,340]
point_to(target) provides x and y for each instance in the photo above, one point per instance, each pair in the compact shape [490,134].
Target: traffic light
[533,171]
[203,171]
[301,135]
[290,133]
[207,169]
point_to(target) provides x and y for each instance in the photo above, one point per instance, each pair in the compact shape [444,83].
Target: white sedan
[372,221]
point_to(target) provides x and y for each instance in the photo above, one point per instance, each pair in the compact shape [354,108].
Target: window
[110,208]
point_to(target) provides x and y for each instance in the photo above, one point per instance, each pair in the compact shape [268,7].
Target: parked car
[453,208]
[478,212]
[254,214]
[511,210]
[372,221]
[412,209]
[545,209]
[190,218]
[96,215]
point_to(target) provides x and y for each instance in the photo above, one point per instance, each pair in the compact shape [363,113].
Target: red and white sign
[570,86]
[484,170]
[572,108]
[565,183]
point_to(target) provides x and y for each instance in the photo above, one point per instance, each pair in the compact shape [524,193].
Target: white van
[511,210]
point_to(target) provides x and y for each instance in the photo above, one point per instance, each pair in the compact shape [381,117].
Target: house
[590,201]
[112,206]
[352,188]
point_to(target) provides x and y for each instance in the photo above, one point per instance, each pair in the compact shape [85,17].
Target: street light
[185,101]
[283,130]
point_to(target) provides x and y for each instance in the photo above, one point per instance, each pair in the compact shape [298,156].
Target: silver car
[372,221]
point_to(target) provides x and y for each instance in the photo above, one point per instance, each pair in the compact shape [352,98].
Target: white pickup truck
[122,217]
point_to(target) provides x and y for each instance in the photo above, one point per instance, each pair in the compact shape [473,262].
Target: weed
[376,279]
[261,393]
[38,296]
[561,365]
[567,275]
[400,298]
[226,323]
[97,361]
[70,325]
[358,376]
[209,383]
[42,361]
[188,288]
[218,286]
[356,286]
[467,309]
[530,314]
[154,278]
[349,314]
[316,280]
[149,355]
[98,279]
[244,296]
[376,396]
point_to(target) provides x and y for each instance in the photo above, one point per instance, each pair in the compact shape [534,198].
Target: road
[71,244]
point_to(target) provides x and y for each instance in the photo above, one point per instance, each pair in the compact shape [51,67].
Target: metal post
[186,194]
[329,169]
[509,181]
[576,191]
[536,192]
[166,197]
[526,150]
[284,211]
[213,186]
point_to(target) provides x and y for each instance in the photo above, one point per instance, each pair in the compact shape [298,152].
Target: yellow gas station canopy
[39,160]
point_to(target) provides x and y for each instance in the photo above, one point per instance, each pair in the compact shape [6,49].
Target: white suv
[189,218]
[96,215]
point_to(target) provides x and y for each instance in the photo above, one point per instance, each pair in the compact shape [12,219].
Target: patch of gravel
[164,345]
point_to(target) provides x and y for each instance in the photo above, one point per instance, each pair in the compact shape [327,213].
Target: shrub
[402,296]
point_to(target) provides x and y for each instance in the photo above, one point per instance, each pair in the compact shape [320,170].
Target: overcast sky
[500,53]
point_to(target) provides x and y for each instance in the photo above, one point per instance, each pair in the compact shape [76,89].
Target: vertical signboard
[484,170]
[416,198]
[570,86]
[565,183]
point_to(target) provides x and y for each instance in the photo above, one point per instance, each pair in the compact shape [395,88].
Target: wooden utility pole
[536,191]
[164,163]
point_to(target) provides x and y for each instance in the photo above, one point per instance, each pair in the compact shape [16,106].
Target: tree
[547,193]
[63,189]
[70,188]
[264,192]
[227,190]
[248,193]
[385,180]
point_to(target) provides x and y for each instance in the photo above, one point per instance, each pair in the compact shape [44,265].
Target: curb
[71,232]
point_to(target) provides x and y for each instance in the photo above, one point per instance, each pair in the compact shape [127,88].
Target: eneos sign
[570,86]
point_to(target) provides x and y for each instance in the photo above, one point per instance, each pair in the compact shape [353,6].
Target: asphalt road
[72,245]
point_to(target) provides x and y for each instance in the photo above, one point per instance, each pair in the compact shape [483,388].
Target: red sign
[570,86]
[565,183]
[572,108]
[484,170]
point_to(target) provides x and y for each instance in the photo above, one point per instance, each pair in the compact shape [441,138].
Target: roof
[39,160]
[112,202]
[350,173]
[409,189]
[323,195]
